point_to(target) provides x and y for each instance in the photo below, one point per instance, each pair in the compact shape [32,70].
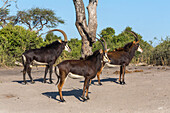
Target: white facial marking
[108,49]
[140,49]
[106,59]
[67,48]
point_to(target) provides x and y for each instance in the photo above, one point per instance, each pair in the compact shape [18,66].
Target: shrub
[14,40]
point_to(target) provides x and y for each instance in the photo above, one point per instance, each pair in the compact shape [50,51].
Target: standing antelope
[45,56]
[87,67]
[123,56]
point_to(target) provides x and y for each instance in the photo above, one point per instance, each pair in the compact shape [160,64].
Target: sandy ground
[144,92]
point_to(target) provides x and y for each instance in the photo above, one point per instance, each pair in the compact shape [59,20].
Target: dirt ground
[144,92]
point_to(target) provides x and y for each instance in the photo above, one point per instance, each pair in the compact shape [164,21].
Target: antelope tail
[57,74]
[23,60]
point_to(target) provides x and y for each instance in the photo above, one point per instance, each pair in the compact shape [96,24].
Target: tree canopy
[37,19]
[4,13]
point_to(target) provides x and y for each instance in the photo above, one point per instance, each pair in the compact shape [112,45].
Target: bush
[14,40]
[161,53]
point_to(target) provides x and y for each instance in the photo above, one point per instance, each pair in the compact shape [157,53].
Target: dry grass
[138,70]
[118,72]
[9,96]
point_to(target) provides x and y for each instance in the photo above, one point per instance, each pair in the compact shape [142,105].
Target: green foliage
[109,35]
[75,46]
[50,37]
[158,55]
[161,53]
[4,13]
[118,41]
[4,17]
[14,41]
[37,19]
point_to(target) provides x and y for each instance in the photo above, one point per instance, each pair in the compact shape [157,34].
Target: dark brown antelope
[123,56]
[45,56]
[87,67]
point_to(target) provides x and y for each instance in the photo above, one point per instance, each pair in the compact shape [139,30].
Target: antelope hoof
[51,82]
[100,84]
[44,81]
[62,100]
[32,82]
[83,98]
[87,97]
[25,83]
[123,83]
[120,82]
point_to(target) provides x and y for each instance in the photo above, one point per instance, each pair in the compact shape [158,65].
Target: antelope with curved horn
[44,56]
[87,68]
[123,56]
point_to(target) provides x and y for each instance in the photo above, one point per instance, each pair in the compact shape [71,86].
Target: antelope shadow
[104,80]
[75,92]
[29,81]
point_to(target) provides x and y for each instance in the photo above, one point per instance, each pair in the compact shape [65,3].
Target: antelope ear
[137,42]
[59,40]
[101,51]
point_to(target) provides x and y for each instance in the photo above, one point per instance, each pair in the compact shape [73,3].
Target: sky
[149,18]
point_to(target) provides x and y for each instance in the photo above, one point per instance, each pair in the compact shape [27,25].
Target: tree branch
[87,32]
[92,18]
[42,25]
[5,3]
[80,17]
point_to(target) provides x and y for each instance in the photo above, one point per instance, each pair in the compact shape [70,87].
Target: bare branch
[42,26]
[5,2]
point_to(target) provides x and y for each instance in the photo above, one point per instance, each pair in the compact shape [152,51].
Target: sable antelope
[45,56]
[87,67]
[123,56]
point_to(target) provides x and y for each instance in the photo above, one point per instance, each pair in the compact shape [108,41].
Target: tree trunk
[87,32]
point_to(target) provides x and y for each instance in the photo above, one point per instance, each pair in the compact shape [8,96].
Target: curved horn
[104,41]
[101,43]
[134,34]
[64,34]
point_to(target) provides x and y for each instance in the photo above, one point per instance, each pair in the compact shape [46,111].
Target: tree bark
[86,31]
